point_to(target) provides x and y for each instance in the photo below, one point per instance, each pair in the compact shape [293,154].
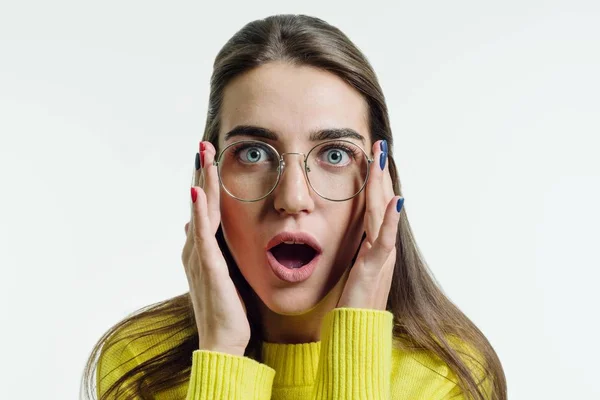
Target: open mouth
[293,256]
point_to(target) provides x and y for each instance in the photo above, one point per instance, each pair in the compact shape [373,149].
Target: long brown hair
[424,318]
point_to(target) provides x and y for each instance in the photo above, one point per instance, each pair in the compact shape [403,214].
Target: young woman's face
[292,101]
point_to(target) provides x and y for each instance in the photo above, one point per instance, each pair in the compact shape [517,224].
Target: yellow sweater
[355,359]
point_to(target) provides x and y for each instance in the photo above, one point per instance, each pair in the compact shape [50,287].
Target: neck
[304,327]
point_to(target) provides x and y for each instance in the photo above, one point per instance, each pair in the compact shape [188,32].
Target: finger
[385,243]
[197,176]
[386,181]
[194,274]
[189,244]
[205,243]
[211,185]
[376,200]
[196,181]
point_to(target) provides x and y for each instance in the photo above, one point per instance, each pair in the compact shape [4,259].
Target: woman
[305,280]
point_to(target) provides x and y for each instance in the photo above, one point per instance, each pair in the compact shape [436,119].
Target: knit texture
[355,359]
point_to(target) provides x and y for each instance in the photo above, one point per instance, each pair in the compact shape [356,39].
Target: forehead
[292,101]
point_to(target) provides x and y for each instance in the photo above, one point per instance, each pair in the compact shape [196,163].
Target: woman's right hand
[219,310]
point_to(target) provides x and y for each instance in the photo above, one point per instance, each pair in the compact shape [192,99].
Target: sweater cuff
[222,376]
[356,353]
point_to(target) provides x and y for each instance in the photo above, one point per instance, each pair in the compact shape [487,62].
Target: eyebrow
[315,136]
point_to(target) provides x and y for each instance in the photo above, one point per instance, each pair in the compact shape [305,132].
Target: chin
[290,301]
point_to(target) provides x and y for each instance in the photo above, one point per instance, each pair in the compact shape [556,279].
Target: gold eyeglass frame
[282,166]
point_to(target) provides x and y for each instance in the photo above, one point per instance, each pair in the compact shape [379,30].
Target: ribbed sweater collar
[295,364]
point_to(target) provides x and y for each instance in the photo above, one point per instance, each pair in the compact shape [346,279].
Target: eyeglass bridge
[282,161]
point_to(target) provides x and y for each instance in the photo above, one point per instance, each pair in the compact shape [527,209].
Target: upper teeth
[292,242]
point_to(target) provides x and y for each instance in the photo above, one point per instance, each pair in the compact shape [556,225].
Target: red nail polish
[202,147]
[194,194]
[202,159]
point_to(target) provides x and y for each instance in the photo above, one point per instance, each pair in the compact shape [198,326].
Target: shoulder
[135,342]
[420,373]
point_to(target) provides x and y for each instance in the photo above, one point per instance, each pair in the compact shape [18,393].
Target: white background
[494,108]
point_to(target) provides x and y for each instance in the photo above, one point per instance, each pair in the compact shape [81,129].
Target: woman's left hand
[370,279]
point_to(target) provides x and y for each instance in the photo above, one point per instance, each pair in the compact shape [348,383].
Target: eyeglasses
[249,170]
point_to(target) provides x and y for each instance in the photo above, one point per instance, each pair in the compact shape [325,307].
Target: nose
[293,194]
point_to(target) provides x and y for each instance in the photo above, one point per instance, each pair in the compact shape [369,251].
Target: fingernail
[382,159]
[202,158]
[197,161]
[383,146]
[194,194]
[399,204]
[202,146]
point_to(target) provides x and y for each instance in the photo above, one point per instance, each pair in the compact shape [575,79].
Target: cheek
[343,224]
[237,222]
[354,224]
[355,212]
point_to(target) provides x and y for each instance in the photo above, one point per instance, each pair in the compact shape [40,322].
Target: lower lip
[293,275]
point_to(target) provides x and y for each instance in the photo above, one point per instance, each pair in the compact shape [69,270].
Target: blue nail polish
[399,204]
[382,159]
[383,146]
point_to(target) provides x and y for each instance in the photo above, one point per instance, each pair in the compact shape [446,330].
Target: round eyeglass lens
[337,170]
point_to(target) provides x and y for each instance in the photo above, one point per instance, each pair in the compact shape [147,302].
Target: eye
[337,155]
[252,153]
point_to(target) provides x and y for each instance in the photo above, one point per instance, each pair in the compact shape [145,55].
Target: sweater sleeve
[355,358]
[214,375]
[217,376]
